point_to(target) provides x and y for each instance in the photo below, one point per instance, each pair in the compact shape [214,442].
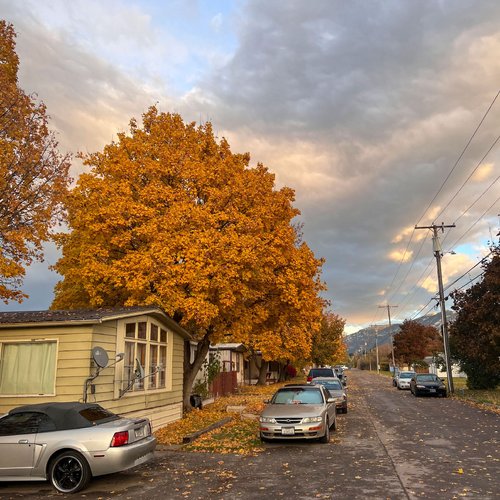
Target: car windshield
[427,377]
[322,372]
[334,385]
[406,375]
[298,396]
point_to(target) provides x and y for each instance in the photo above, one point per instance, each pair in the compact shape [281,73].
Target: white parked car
[404,379]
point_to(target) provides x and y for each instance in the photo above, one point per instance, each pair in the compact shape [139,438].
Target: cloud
[400,255]
[483,172]
[362,108]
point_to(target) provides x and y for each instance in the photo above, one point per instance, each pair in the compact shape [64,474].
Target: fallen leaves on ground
[238,436]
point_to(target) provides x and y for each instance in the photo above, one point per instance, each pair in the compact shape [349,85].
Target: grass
[488,397]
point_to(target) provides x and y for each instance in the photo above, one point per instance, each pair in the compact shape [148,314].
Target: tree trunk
[192,369]
[283,373]
[263,372]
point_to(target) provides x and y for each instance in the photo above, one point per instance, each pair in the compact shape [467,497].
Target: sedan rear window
[98,415]
[298,396]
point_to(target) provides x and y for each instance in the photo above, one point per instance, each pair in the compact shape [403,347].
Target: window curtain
[28,368]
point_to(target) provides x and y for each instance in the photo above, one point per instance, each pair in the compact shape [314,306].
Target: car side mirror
[267,401]
[330,400]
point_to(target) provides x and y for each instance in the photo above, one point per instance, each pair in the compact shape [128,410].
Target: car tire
[333,427]
[344,410]
[415,393]
[326,437]
[69,472]
[262,438]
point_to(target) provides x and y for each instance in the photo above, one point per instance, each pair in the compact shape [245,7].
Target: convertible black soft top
[72,415]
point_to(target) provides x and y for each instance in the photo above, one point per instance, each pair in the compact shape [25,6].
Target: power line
[460,157]
[484,213]
[469,270]
[477,199]
[469,282]
[468,178]
[437,194]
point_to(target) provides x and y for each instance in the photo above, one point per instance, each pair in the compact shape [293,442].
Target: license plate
[287,431]
[432,390]
[139,433]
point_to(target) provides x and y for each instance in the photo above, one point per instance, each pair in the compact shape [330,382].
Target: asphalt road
[390,445]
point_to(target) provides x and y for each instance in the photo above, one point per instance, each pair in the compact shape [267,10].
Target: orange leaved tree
[169,216]
[328,347]
[33,175]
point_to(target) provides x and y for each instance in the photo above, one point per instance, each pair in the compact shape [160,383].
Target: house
[437,370]
[130,360]
[231,362]
[231,358]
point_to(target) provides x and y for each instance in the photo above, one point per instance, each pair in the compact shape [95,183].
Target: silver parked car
[336,390]
[299,411]
[68,443]
[403,380]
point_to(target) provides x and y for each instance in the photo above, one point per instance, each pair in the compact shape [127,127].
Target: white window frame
[33,341]
[121,381]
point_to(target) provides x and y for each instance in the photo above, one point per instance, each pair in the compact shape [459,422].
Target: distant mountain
[356,341]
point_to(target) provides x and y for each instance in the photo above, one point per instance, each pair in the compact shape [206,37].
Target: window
[28,368]
[26,423]
[145,359]
[98,415]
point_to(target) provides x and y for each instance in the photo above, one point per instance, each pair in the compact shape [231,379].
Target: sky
[380,114]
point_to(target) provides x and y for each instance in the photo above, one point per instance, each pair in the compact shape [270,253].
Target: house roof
[84,316]
[231,346]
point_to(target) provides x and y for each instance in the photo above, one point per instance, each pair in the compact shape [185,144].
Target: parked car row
[419,384]
[305,411]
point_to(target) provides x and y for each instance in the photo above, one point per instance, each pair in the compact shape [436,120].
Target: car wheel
[326,437]
[345,410]
[69,472]
[334,425]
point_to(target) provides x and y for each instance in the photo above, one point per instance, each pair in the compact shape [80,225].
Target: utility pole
[390,330]
[438,253]
[376,347]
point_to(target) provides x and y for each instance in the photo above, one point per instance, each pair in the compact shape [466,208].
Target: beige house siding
[74,365]
[73,346]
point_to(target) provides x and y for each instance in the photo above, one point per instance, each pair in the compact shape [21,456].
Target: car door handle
[23,441]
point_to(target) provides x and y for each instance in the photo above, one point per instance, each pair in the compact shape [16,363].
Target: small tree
[33,175]
[415,341]
[475,333]
[328,347]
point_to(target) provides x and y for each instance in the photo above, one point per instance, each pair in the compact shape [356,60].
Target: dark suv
[320,372]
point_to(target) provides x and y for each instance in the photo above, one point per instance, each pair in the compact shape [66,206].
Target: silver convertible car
[68,443]
[299,412]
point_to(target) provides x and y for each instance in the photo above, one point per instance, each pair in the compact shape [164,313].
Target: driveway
[390,445]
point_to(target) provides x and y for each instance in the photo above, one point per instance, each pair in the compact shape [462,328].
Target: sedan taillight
[119,439]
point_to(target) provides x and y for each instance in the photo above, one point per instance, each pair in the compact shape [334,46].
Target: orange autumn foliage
[170,216]
[33,175]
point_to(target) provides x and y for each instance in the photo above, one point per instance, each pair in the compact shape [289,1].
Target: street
[390,445]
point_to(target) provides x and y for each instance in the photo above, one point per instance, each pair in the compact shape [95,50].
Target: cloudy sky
[363,107]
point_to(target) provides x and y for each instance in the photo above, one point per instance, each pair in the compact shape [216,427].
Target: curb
[191,437]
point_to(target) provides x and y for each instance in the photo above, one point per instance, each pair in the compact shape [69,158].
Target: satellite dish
[139,370]
[100,357]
